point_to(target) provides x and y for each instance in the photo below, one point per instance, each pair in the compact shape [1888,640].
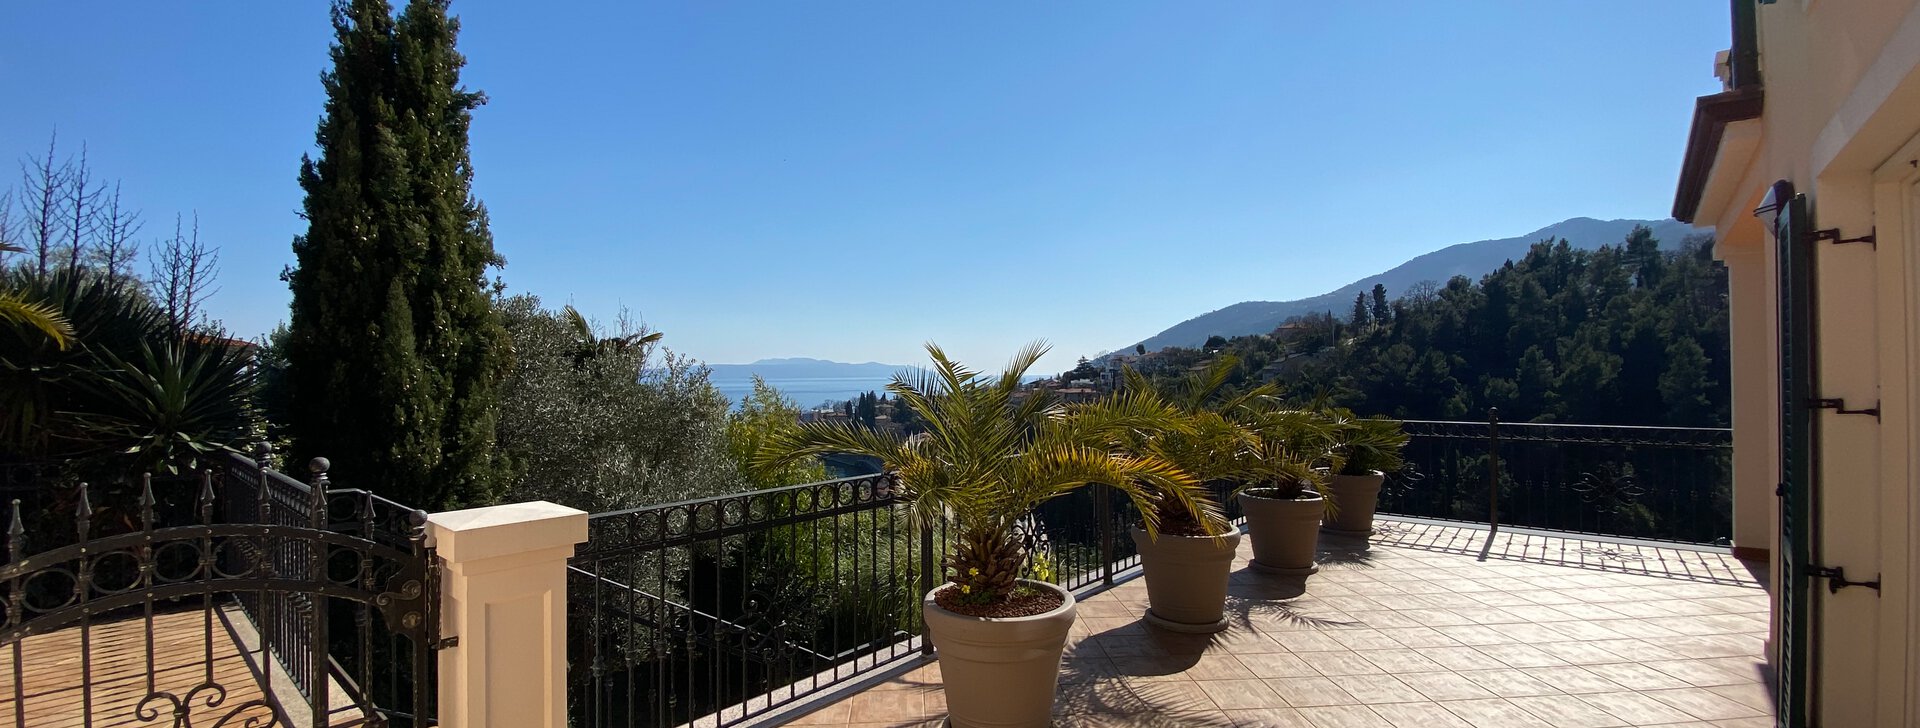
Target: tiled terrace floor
[1416,631]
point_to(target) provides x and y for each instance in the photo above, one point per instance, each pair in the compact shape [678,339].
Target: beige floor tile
[1419,715]
[1704,704]
[1383,619]
[1242,694]
[1520,655]
[1635,708]
[1341,716]
[1401,660]
[1445,686]
[876,706]
[1461,658]
[1218,667]
[1302,692]
[1305,641]
[1153,668]
[1363,639]
[1268,718]
[1581,653]
[1282,664]
[1476,635]
[1419,637]
[1753,695]
[1164,697]
[1700,673]
[1573,680]
[1637,677]
[1510,683]
[1566,711]
[836,714]
[1379,689]
[1333,664]
[1494,713]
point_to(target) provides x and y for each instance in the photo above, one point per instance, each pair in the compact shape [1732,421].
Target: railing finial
[83,513]
[16,534]
[146,501]
[206,497]
[318,467]
[263,454]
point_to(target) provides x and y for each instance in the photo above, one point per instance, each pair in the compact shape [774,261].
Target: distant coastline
[807,392]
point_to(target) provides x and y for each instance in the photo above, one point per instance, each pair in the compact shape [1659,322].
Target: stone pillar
[503,596]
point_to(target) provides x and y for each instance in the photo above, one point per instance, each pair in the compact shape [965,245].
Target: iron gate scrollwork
[261,602]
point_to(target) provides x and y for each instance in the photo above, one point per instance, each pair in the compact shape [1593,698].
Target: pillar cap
[504,530]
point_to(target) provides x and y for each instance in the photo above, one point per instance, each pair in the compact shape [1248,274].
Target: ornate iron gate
[1793,234]
[237,597]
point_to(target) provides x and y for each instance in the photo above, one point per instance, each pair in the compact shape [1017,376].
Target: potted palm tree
[986,460]
[1187,563]
[1283,493]
[1364,451]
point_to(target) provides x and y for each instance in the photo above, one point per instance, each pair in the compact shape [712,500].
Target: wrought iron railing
[331,609]
[376,662]
[739,604]
[1656,483]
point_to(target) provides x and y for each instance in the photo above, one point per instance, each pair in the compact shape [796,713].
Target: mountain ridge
[1472,259]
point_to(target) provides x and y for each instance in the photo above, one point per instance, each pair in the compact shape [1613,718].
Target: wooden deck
[57,693]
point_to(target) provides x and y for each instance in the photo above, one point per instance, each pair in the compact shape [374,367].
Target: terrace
[1411,629]
[312,605]
[1601,601]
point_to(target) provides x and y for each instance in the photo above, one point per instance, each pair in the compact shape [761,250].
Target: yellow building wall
[1842,83]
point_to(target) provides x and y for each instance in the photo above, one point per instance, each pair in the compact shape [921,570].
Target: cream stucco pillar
[1756,405]
[504,597]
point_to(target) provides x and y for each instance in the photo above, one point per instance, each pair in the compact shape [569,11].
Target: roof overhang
[1712,152]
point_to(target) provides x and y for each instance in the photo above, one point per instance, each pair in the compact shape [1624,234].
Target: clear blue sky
[848,180]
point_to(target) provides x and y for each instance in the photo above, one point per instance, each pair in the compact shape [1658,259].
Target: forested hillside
[1624,334]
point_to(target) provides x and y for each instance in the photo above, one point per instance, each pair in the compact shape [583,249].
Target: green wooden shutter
[1798,483]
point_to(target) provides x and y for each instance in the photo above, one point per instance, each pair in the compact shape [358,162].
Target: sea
[808,392]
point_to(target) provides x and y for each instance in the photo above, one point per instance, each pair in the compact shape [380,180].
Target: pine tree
[1382,310]
[394,348]
[1362,313]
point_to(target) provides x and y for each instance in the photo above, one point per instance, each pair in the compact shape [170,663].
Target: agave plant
[173,405]
[987,459]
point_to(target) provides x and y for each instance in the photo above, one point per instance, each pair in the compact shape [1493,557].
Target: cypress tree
[394,349]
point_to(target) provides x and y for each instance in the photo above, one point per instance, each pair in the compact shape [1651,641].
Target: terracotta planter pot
[1285,531]
[1186,579]
[1000,672]
[1354,499]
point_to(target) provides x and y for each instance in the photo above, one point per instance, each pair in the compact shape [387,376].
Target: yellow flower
[975,571]
[966,589]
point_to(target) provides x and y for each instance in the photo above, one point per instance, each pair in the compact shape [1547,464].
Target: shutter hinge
[1839,406]
[1832,235]
[1836,577]
[1780,489]
[445,642]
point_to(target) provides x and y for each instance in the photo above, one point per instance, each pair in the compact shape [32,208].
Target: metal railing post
[1103,510]
[1493,471]
[926,579]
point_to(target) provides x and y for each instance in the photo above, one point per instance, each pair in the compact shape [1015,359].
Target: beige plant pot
[1354,499]
[1186,579]
[1285,531]
[1000,672]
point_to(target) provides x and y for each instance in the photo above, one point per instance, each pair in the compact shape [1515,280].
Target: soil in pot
[1000,672]
[1186,579]
[1285,531]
